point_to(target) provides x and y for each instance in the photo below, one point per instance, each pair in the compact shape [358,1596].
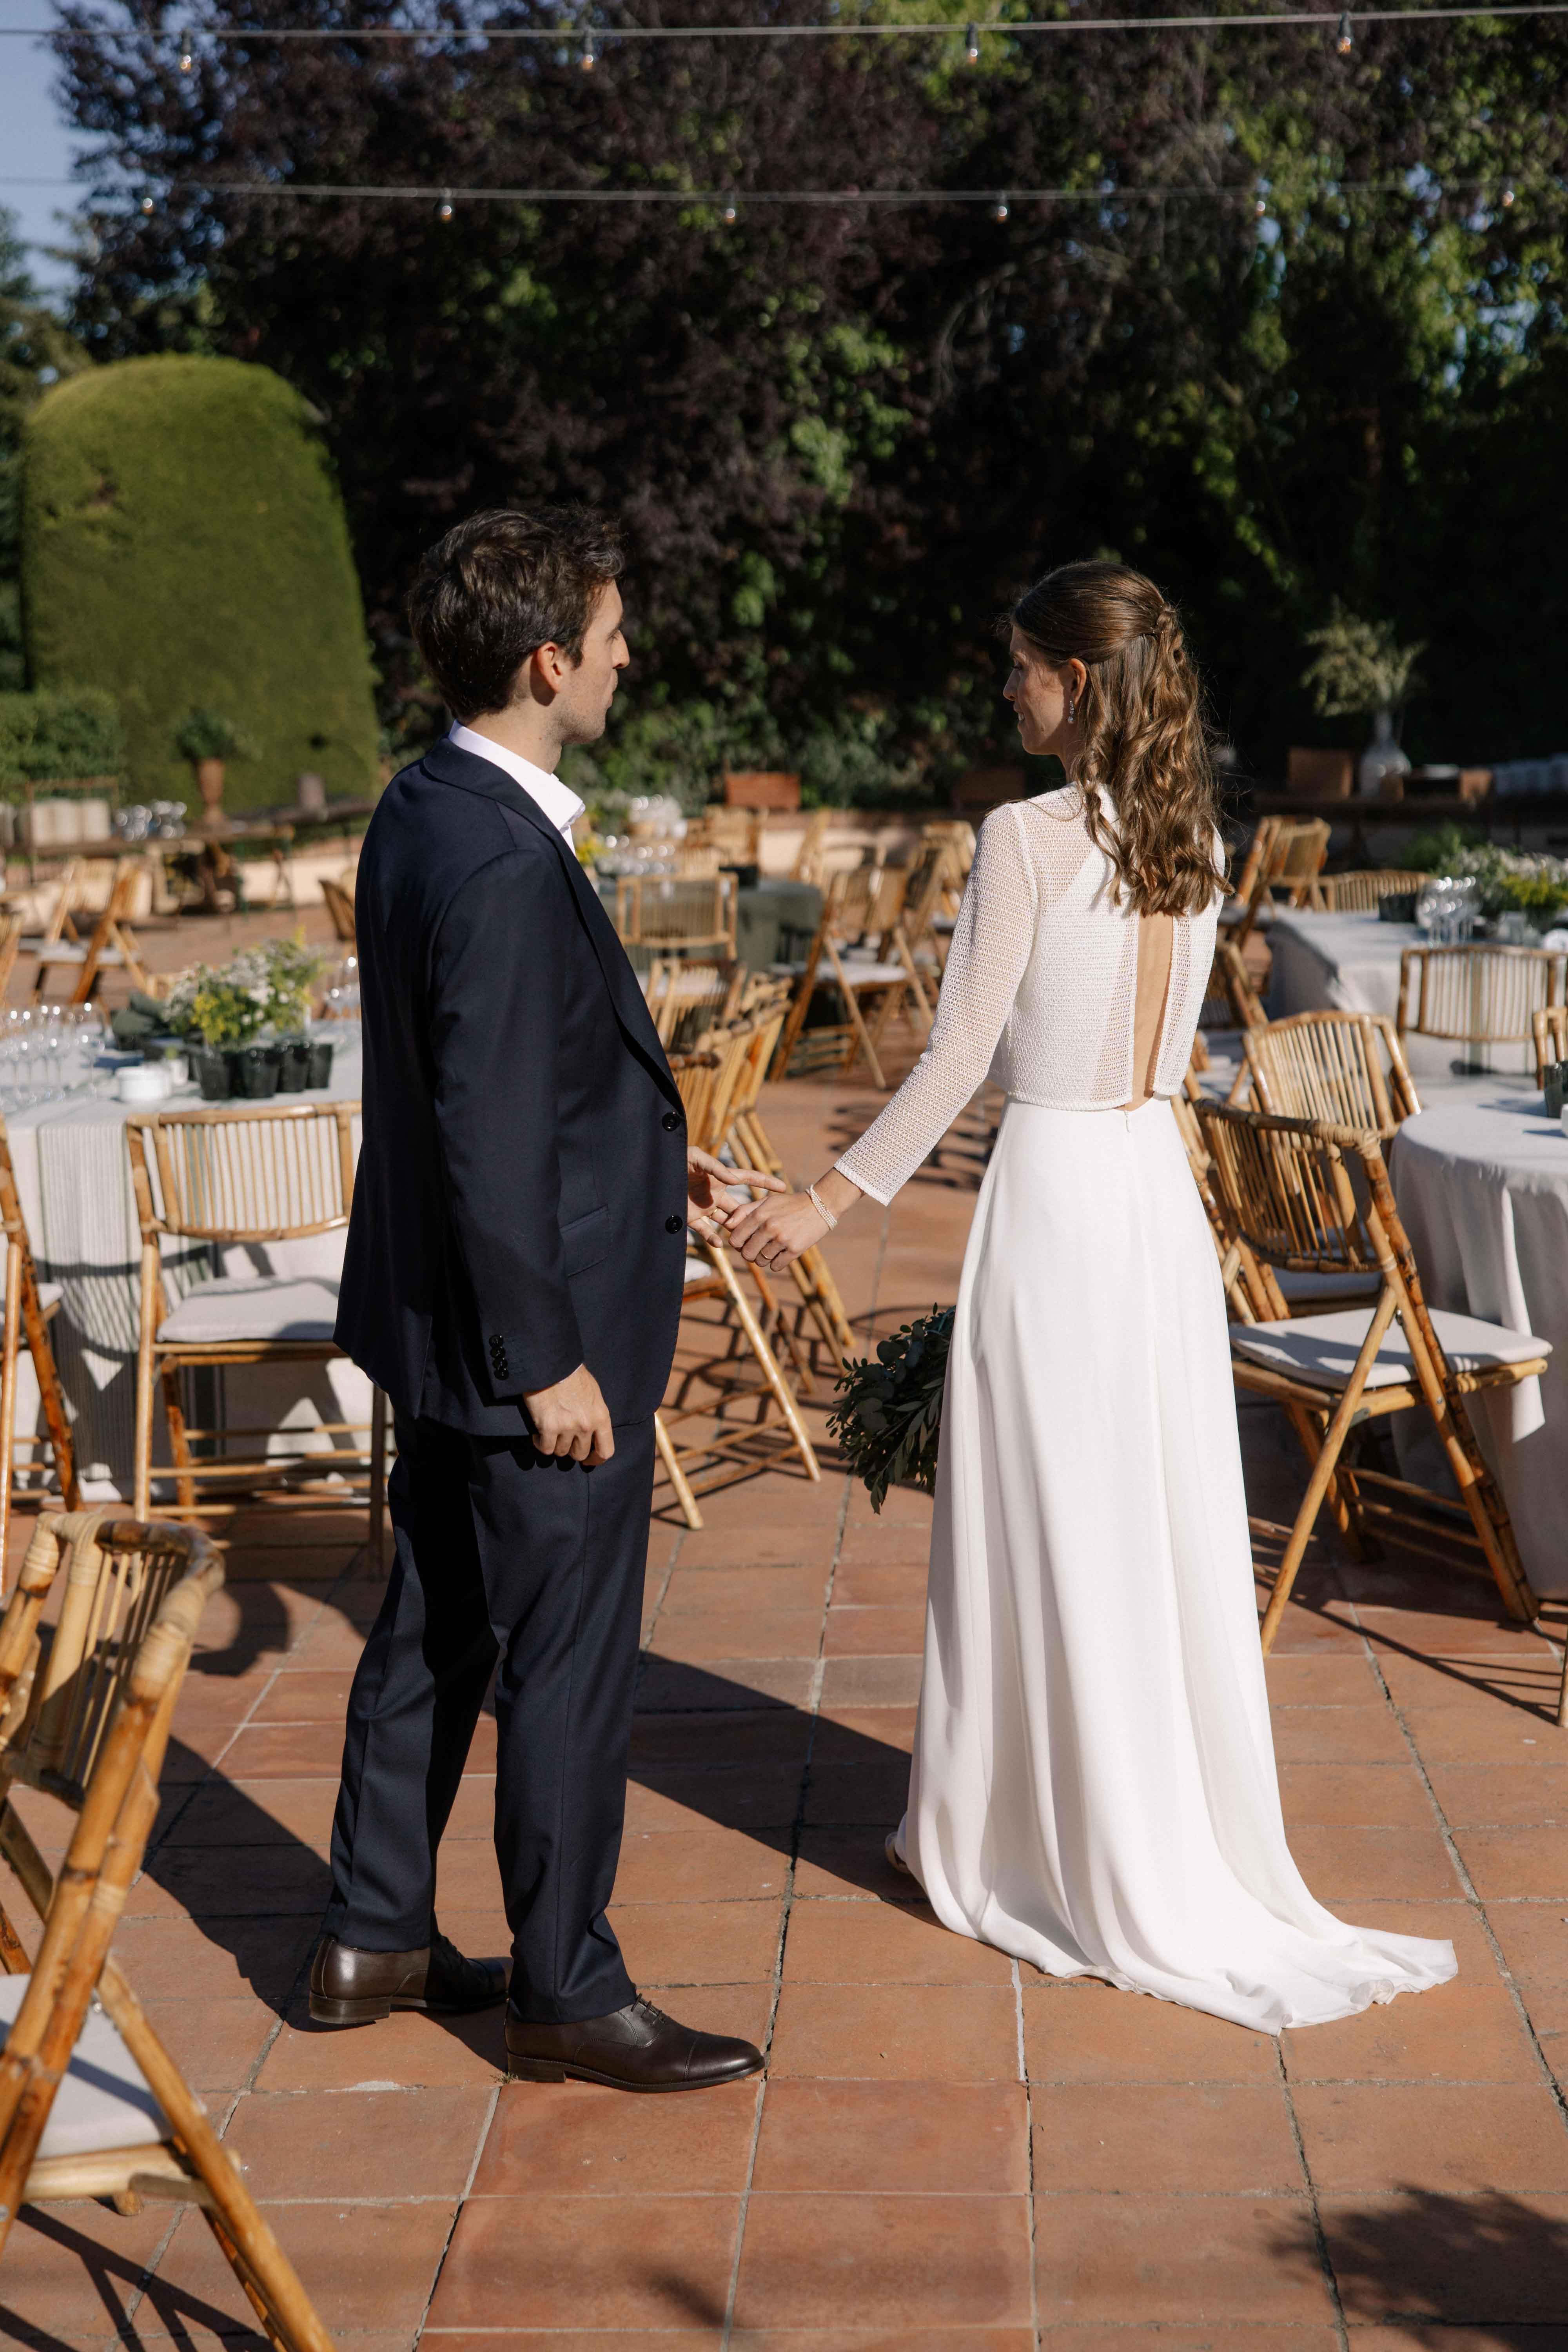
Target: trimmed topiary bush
[184,544]
[62,737]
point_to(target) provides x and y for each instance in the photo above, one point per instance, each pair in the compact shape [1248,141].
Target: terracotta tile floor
[948,2153]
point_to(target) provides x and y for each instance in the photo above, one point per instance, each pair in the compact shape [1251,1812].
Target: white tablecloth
[1482,1186]
[1350,963]
[73,1176]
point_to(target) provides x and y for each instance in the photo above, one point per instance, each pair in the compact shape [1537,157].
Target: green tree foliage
[184,544]
[842,436]
[58,738]
[36,351]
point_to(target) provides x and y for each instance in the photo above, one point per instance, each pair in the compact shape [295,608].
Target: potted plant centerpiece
[209,740]
[246,1023]
[1360,669]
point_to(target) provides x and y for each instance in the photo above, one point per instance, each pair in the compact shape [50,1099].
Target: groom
[512,1281]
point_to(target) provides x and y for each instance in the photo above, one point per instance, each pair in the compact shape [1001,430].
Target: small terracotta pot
[209,783]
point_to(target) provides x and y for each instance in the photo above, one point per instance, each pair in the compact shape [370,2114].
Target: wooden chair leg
[1563,1689]
[1340,1423]
[282,2297]
[862,1036]
[377,1535]
[675,1474]
[57,1420]
[179,1443]
[757,1340]
[1342,1498]
[142,1486]
[10,1349]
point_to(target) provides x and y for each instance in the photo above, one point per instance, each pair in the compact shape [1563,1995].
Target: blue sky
[36,142]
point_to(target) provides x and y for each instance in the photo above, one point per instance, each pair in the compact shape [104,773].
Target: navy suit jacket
[519,1204]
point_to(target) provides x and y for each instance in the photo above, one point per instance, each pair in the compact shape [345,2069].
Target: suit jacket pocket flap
[586,1242]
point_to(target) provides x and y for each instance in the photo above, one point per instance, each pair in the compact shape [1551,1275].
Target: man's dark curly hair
[502,584]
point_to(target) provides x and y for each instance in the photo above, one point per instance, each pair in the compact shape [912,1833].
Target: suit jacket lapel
[452,765]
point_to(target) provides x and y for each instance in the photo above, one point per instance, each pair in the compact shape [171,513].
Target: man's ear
[547,668]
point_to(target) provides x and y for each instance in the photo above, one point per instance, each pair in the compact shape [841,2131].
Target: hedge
[58,738]
[183,545]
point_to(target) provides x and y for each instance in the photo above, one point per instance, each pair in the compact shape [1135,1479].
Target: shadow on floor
[1433,2264]
[164,2311]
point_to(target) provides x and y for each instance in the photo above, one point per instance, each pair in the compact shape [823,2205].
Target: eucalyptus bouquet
[890,1420]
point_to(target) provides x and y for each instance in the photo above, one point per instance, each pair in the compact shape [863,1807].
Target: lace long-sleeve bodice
[1040,990]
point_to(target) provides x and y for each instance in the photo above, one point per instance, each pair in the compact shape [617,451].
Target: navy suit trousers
[511,1565]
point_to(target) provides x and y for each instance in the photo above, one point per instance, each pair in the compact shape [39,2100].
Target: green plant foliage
[208,735]
[58,738]
[890,1420]
[1359,666]
[262,991]
[183,544]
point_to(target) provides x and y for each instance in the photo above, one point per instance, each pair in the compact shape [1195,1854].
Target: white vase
[1382,758]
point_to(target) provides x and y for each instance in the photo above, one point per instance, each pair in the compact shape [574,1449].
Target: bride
[1093,1785]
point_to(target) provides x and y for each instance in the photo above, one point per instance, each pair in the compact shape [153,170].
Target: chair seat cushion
[104,2101]
[1321,1350]
[269,1306]
[868,973]
[1301,1290]
[68,952]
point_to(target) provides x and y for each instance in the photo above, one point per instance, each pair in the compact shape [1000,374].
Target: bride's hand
[772,1234]
[710,1199]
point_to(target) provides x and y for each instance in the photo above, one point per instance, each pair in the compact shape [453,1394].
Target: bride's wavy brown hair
[1145,738]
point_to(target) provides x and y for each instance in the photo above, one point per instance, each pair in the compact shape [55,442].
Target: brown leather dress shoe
[348,1987]
[634,2049]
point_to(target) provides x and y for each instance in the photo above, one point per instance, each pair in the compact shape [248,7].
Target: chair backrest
[695,1074]
[1549,1027]
[1283,1188]
[1477,995]
[338,899]
[762,996]
[1232,980]
[686,998]
[1346,1068]
[697,858]
[58,1702]
[668,910]
[1362,892]
[1300,846]
[930,872]
[807,866]
[850,902]
[10,940]
[117,1802]
[262,1175]
[1258,849]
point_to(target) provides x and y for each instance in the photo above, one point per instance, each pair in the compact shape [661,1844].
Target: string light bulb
[731,214]
[972,44]
[148,206]
[1259,207]
[999,209]
[187,56]
[590,55]
[1507,197]
[1345,42]
[443,209]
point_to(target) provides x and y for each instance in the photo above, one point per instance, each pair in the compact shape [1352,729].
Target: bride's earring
[1072,708]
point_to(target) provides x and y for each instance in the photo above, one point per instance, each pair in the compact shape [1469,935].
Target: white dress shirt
[558,801]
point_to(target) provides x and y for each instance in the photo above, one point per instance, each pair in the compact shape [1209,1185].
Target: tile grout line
[463,2195]
[1461,1872]
[1320,2235]
[796,1830]
[1037,2332]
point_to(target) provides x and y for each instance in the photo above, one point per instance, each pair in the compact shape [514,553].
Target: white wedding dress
[1093,1786]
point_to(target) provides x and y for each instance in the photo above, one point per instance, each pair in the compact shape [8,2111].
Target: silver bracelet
[826,1213]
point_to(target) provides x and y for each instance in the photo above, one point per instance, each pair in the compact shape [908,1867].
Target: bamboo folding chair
[91,2104]
[1362,892]
[686,998]
[29,1308]
[747,1425]
[10,942]
[1290,860]
[863,903]
[111,946]
[1479,995]
[338,899]
[807,866]
[234,1177]
[1284,1193]
[1549,1031]
[1349,1067]
[700,858]
[677,915]
[1241,910]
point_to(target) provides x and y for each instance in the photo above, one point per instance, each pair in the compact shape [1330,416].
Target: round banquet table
[1482,1181]
[1350,963]
[73,1179]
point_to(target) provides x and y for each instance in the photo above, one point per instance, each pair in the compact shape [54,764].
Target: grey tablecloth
[1482,1186]
[73,1176]
[773,921]
[1350,963]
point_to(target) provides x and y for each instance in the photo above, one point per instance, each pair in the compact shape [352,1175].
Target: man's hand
[707,1185]
[572,1420]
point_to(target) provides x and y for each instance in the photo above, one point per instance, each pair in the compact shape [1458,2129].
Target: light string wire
[563,34]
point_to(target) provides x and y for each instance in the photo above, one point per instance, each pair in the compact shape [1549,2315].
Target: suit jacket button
[671,1121]
[673,1224]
